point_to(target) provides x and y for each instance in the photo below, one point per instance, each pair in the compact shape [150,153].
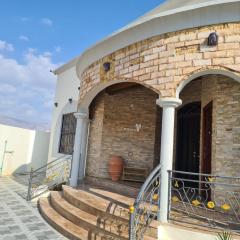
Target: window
[67,133]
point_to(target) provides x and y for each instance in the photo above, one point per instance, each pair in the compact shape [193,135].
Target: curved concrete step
[95,205]
[107,226]
[113,206]
[90,214]
[66,227]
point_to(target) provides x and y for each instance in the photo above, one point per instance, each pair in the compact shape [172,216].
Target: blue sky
[37,36]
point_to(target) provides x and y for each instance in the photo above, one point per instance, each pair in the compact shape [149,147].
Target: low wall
[172,232]
[22,149]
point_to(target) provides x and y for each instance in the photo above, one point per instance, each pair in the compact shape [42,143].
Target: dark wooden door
[188,138]
[206,164]
[207,139]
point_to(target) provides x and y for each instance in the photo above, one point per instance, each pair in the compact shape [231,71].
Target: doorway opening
[188,140]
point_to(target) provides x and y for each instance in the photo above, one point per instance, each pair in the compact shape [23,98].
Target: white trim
[81,115]
[169,102]
[196,15]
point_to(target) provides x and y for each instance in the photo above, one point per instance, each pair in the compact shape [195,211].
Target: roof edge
[137,22]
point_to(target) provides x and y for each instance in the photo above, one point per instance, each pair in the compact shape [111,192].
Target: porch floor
[126,188]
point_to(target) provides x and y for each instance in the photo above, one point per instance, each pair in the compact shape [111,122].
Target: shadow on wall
[40,150]
[22,170]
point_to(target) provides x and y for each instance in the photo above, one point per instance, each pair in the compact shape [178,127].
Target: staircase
[90,213]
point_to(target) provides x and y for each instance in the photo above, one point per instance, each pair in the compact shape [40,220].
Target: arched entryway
[124,121]
[209,117]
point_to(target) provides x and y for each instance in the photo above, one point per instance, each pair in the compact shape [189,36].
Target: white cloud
[23,38]
[24,19]
[5,46]
[47,22]
[7,88]
[58,49]
[27,89]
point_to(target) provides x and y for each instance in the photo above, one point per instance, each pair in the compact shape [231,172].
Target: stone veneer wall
[114,116]
[225,94]
[113,130]
[227,129]
[163,62]
[95,135]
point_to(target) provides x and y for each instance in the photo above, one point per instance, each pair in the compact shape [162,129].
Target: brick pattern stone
[113,130]
[162,62]
[225,95]
[95,135]
[227,127]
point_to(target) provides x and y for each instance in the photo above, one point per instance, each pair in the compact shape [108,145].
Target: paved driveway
[20,220]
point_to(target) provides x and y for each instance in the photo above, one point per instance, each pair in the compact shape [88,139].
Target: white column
[166,156]
[79,147]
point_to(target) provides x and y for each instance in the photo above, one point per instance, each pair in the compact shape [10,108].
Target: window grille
[67,133]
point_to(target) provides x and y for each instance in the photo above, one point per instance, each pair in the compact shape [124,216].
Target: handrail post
[131,225]
[159,201]
[29,197]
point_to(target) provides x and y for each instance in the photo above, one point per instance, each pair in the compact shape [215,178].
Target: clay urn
[115,167]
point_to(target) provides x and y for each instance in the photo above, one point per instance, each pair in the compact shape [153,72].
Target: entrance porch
[202,142]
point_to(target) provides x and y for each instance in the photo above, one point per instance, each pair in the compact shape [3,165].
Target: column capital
[81,115]
[169,102]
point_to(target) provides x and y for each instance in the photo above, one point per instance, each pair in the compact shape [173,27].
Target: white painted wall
[67,87]
[173,232]
[24,149]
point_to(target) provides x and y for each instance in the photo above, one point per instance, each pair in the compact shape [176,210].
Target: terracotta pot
[115,167]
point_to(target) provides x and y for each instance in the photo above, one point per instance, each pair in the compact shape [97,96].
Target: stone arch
[90,95]
[207,71]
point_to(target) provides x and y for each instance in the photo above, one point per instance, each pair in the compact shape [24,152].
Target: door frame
[206,162]
[206,166]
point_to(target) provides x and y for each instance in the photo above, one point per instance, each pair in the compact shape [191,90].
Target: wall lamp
[106,66]
[56,104]
[70,100]
[213,39]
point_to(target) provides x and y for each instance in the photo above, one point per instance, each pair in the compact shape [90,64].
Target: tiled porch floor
[20,220]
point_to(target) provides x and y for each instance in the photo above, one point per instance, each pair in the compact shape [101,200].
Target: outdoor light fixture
[55,104]
[70,100]
[78,88]
[213,39]
[106,66]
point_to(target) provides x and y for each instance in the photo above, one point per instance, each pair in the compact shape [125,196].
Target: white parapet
[173,232]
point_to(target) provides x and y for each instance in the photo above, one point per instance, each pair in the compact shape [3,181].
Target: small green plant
[224,236]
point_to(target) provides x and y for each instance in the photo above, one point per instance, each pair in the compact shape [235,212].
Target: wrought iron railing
[146,207]
[49,176]
[204,200]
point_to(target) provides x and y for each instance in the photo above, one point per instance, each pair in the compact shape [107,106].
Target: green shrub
[224,236]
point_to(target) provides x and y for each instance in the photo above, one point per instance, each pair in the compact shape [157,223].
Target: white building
[165,90]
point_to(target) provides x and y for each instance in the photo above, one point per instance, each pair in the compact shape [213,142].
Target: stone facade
[113,130]
[225,95]
[164,61]
[227,127]
[114,117]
